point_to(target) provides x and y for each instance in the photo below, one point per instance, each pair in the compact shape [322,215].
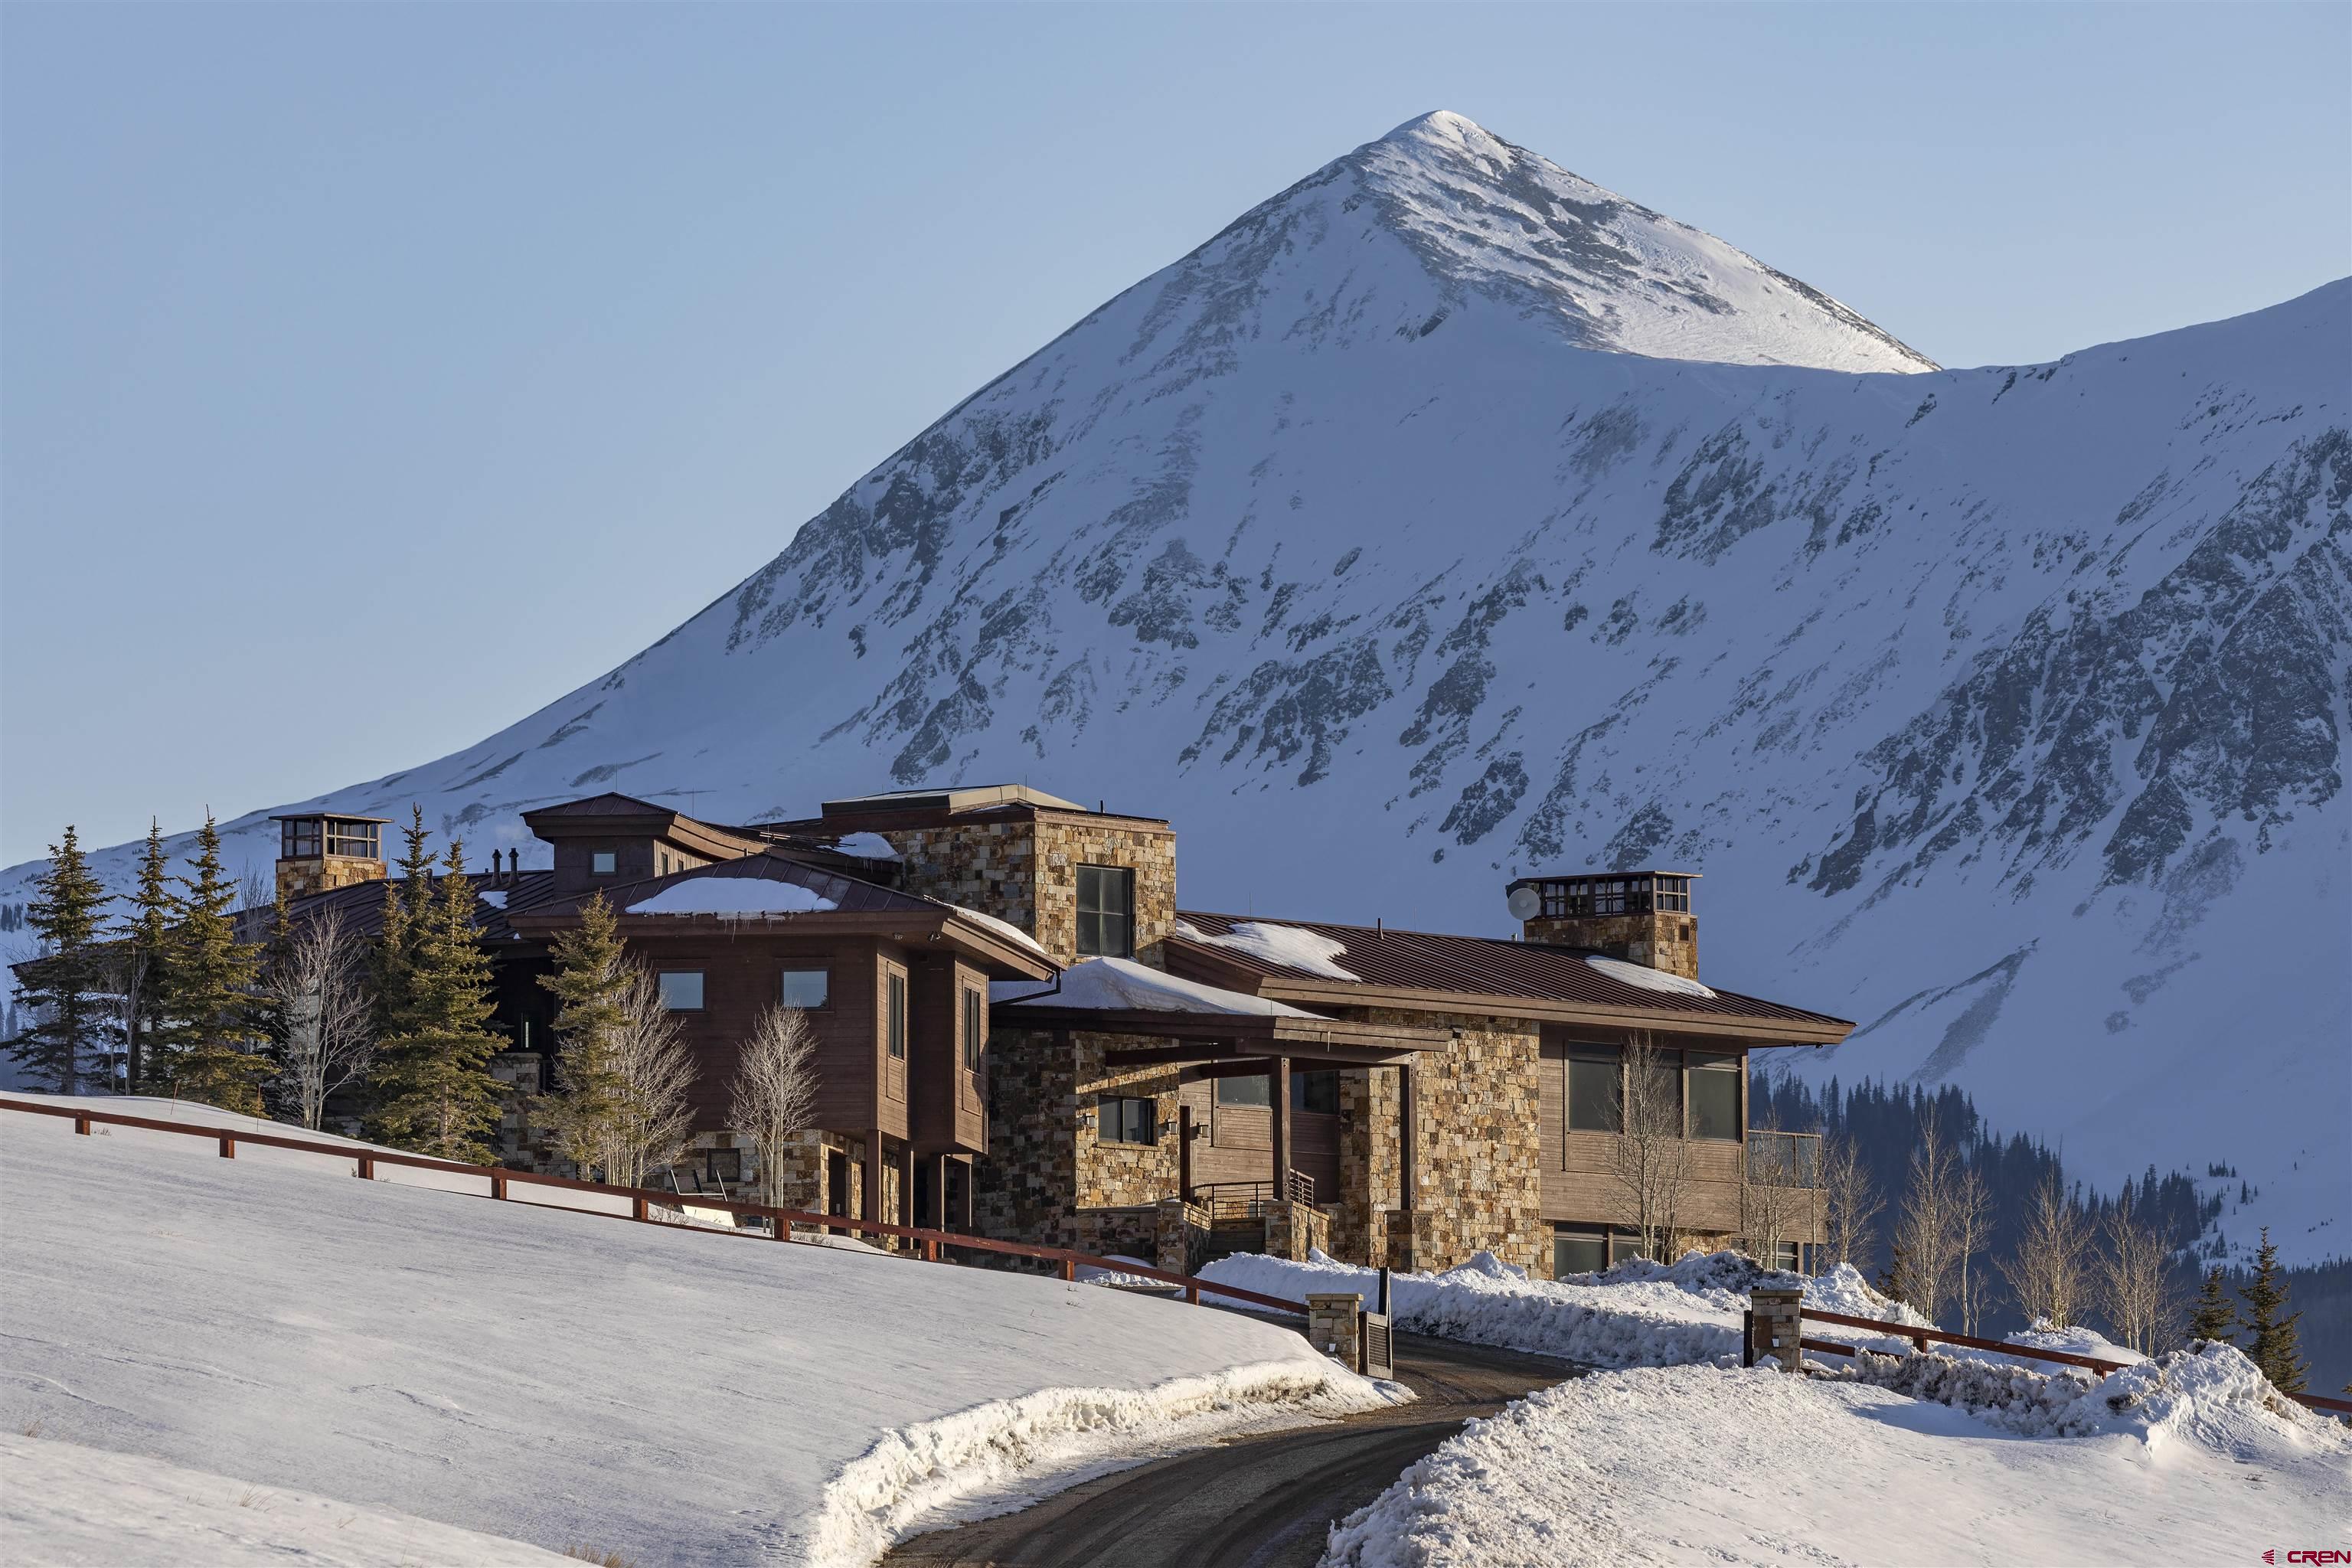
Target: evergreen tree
[2210,1316]
[2273,1347]
[150,937]
[434,1089]
[268,1004]
[207,992]
[407,917]
[67,1031]
[590,978]
[1894,1279]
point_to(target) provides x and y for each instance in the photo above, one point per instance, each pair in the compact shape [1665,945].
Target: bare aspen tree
[1925,1229]
[1650,1160]
[1971,1231]
[1852,1201]
[1770,1201]
[318,987]
[126,981]
[775,1091]
[2047,1272]
[2134,1282]
[651,1118]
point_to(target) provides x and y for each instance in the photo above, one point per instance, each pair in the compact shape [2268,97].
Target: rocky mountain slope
[1448,517]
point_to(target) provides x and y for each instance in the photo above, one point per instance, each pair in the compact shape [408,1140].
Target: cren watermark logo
[2314,1556]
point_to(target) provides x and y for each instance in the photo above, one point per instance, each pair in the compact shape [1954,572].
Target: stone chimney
[1642,917]
[317,852]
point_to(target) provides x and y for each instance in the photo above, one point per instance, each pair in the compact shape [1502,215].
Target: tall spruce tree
[67,1034]
[149,938]
[2273,1347]
[2210,1316]
[433,1086]
[207,993]
[407,917]
[591,1093]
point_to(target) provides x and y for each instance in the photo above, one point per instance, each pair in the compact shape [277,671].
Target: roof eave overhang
[1248,1034]
[1003,959]
[1309,992]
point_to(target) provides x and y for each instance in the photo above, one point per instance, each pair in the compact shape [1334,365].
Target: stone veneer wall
[801,1175]
[1025,871]
[1046,1156]
[299,878]
[1662,941]
[1477,1120]
[1368,1165]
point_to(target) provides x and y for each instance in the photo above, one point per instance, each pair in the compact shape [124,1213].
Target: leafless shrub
[2047,1272]
[775,1090]
[651,1119]
[2134,1284]
[319,985]
[1927,1228]
[1851,1201]
[1650,1161]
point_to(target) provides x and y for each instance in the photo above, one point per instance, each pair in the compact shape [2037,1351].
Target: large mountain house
[1021,1034]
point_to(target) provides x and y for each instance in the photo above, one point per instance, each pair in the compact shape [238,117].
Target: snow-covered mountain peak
[1492,218]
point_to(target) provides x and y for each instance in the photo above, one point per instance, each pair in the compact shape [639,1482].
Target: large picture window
[1577,1251]
[1244,1091]
[1127,1119]
[898,1016]
[1714,1095]
[1105,911]
[1595,1089]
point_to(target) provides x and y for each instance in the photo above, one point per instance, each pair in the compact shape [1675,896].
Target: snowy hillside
[560,1379]
[1447,518]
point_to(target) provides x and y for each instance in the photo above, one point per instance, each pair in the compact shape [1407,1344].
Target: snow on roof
[734,896]
[867,847]
[1647,978]
[1310,952]
[494,897]
[1005,929]
[1121,984]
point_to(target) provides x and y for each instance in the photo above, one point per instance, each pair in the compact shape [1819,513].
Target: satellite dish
[1526,903]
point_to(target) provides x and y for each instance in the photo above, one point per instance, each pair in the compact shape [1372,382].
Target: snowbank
[66,1506]
[1311,952]
[1708,1464]
[674,1396]
[1636,1314]
[1123,985]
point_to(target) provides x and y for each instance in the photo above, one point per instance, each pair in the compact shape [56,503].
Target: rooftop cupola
[317,852]
[1642,917]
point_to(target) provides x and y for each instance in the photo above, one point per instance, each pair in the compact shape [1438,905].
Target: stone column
[1278,1082]
[1331,1324]
[1779,1324]
[872,1207]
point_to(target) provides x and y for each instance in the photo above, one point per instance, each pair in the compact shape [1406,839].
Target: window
[1663,1110]
[975,1029]
[1317,1092]
[361,839]
[1244,1091]
[806,988]
[1624,1246]
[681,990]
[603,863]
[1594,1089]
[661,864]
[726,1166]
[1577,1251]
[298,839]
[1105,911]
[898,1020]
[1714,1095]
[1128,1120]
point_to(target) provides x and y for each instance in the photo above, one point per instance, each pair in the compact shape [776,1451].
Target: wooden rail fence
[642,1201]
[1920,1338]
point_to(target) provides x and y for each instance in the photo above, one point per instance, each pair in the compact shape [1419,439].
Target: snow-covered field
[1727,1466]
[552,1379]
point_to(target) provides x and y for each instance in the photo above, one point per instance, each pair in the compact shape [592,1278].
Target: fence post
[366,1173]
[228,1146]
[497,1186]
[1069,1270]
[1192,1293]
[1747,1337]
[638,1209]
[81,1125]
[1780,1323]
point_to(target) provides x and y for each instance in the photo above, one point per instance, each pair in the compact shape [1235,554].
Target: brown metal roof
[846,894]
[1470,966]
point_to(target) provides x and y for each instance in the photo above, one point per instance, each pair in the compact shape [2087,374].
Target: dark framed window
[1315,1092]
[1624,1246]
[1105,911]
[806,988]
[1715,1095]
[1128,1120]
[363,840]
[975,1028]
[1577,1250]
[602,863]
[1244,1090]
[896,1037]
[726,1166]
[1596,1090]
[299,840]
[681,990]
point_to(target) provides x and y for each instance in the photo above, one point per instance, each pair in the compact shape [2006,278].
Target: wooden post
[1070,1270]
[1192,1294]
[637,1210]
[937,1166]
[906,1210]
[1404,1142]
[870,1205]
[367,1172]
[228,1146]
[497,1186]
[81,1125]
[932,1247]
[1184,1153]
[1279,1083]
[964,1221]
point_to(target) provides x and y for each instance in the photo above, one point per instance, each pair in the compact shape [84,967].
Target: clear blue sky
[371,376]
